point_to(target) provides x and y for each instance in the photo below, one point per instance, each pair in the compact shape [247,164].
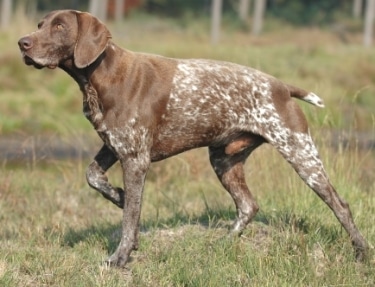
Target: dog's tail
[305,96]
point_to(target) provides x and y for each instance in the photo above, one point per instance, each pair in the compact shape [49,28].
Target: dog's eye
[39,25]
[59,26]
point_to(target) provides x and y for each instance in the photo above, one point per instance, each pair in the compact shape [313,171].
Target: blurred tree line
[298,12]
[295,12]
[47,5]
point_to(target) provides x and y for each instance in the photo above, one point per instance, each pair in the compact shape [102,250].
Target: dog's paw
[116,260]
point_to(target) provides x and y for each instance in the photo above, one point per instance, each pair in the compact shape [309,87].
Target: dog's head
[63,35]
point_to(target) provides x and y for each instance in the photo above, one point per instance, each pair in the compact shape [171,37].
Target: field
[56,231]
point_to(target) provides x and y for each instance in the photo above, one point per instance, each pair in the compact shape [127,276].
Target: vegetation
[56,231]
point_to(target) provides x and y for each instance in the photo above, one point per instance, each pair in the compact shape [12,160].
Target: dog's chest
[129,138]
[92,108]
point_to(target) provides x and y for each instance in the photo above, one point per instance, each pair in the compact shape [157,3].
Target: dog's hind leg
[229,170]
[97,179]
[300,151]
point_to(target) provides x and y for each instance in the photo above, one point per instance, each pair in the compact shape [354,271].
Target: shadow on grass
[110,233]
[285,220]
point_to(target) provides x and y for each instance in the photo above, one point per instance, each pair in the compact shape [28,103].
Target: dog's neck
[87,82]
[81,76]
[101,66]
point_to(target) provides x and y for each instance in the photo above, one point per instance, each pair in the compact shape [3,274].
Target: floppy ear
[92,40]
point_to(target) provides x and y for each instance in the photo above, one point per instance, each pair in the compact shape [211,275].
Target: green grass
[56,231]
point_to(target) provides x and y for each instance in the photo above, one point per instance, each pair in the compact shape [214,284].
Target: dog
[147,108]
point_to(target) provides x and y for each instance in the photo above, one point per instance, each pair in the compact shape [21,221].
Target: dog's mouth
[31,62]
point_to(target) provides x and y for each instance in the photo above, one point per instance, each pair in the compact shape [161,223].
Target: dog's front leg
[97,179]
[134,172]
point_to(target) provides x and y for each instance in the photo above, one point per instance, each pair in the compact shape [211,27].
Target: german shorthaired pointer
[147,108]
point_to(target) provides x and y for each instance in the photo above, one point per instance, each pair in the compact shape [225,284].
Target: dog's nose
[25,43]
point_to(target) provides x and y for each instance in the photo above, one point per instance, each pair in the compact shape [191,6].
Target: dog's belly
[180,132]
[177,139]
[233,141]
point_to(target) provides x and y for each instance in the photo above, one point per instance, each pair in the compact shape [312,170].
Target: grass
[56,231]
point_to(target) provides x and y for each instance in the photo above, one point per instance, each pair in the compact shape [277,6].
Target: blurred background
[324,46]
